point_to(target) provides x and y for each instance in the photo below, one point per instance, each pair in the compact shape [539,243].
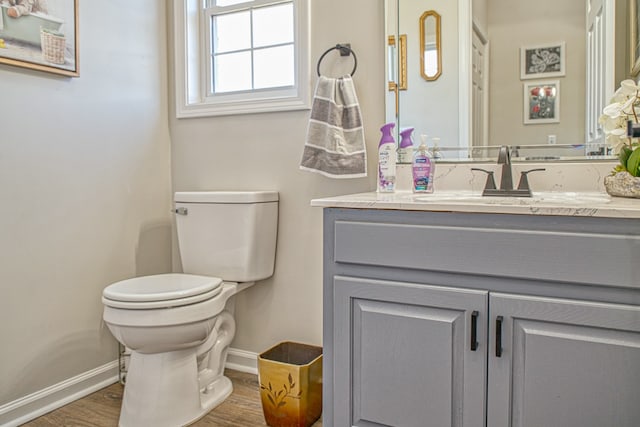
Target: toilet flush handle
[181,211]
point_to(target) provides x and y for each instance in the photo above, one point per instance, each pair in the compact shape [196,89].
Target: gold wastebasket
[290,376]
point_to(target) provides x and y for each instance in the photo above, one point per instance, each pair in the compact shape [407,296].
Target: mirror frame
[423,40]
[634,59]
[465,34]
[402,61]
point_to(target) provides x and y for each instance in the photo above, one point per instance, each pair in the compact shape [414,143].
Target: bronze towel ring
[345,50]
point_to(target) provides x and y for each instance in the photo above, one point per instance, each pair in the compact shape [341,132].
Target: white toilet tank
[227,234]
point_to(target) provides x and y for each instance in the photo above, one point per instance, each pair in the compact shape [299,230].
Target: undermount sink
[538,198]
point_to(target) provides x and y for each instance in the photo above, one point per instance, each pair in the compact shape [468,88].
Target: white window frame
[192,69]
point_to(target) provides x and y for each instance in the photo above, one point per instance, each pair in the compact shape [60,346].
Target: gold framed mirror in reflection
[430,46]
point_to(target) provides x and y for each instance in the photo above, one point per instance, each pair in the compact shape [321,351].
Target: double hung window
[241,56]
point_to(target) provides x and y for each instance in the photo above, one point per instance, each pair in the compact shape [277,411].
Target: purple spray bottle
[405,150]
[387,160]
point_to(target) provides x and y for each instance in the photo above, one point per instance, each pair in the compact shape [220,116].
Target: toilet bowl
[186,335]
[179,326]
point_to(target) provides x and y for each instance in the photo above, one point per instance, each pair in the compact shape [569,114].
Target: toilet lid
[162,290]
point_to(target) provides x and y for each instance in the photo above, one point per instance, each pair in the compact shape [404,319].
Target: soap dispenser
[437,154]
[423,168]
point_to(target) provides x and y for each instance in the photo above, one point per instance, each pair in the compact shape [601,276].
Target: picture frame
[40,36]
[542,61]
[634,37]
[541,102]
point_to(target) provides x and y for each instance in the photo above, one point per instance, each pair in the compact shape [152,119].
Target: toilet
[179,326]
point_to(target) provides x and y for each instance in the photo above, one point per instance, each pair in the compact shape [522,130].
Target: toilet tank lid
[226,196]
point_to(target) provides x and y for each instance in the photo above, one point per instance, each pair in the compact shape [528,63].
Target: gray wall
[262,151]
[85,189]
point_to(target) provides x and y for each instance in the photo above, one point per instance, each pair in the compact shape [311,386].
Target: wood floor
[102,408]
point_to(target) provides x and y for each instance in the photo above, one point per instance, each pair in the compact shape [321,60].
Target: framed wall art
[40,35]
[542,61]
[542,102]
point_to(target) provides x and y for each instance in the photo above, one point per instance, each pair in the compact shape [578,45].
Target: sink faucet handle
[524,181]
[491,182]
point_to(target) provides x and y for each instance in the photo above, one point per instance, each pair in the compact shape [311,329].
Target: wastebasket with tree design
[290,376]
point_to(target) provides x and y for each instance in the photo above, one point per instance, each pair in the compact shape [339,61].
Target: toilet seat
[161,291]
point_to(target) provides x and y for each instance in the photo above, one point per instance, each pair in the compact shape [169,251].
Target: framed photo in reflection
[542,61]
[541,102]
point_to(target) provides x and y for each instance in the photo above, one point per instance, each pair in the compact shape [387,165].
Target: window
[241,56]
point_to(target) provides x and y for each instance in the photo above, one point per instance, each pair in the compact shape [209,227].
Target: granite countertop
[594,204]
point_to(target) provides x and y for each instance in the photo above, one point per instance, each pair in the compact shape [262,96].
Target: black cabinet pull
[499,336]
[474,330]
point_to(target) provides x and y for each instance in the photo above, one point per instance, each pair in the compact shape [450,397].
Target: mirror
[481,101]
[430,50]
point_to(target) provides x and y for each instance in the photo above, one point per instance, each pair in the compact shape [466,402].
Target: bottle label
[386,168]
[421,174]
[404,155]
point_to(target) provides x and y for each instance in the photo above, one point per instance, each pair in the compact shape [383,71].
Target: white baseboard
[243,361]
[46,400]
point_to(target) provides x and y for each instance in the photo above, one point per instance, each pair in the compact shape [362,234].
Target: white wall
[85,190]
[262,151]
[479,14]
[431,107]
[512,25]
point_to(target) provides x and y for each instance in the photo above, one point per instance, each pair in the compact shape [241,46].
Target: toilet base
[163,390]
[214,395]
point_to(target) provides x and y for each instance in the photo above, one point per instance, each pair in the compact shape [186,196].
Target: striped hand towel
[335,144]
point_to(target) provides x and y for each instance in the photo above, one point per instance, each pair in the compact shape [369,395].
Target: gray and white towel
[335,144]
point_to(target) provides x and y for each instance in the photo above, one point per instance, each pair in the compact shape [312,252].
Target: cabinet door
[402,355]
[564,363]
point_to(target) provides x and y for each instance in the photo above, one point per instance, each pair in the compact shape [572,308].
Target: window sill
[204,109]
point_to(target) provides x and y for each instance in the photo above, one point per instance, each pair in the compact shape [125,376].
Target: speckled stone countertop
[593,204]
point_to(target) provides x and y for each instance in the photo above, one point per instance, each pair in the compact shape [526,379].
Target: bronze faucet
[506,178]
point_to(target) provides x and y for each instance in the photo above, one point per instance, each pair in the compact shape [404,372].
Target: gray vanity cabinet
[405,356]
[563,363]
[480,320]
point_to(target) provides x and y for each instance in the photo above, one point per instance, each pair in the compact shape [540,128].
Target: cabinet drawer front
[574,257]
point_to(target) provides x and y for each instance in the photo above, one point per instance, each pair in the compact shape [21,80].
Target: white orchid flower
[624,106]
[619,132]
[613,110]
[616,142]
[616,139]
[629,87]
[628,107]
[609,124]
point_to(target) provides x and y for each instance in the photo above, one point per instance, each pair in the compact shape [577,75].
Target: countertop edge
[577,204]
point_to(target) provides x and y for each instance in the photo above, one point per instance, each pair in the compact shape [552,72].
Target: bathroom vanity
[458,310]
